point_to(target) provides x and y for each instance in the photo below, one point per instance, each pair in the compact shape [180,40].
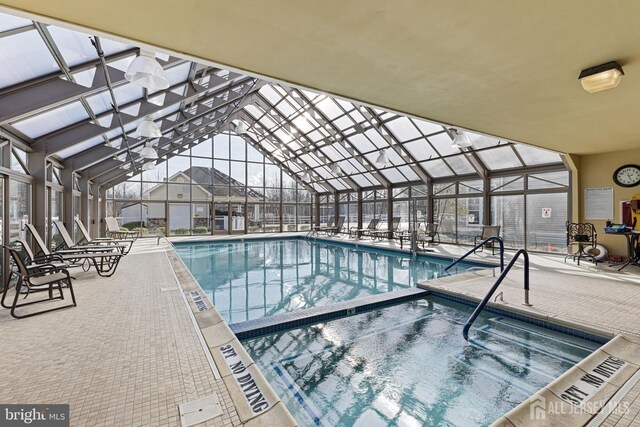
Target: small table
[632,242]
[404,235]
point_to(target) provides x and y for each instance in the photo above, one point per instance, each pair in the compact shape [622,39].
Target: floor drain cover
[199,411]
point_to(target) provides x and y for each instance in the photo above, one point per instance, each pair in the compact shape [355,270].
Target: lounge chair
[337,228]
[383,234]
[87,240]
[69,244]
[104,259]
[46,278]
[323,228]
[114,230]
[358,232]
[487,231]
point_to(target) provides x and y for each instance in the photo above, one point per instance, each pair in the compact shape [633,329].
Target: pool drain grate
[199,411]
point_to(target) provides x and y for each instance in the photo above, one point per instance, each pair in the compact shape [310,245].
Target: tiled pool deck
[129,354]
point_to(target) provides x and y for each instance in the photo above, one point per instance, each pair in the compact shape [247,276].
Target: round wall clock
[627,176]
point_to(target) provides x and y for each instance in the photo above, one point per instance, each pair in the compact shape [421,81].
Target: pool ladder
[504,271]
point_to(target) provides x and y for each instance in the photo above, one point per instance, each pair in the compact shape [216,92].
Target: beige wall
[597,171]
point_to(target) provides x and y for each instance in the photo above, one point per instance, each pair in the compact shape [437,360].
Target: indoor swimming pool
[257,278]
[409,365]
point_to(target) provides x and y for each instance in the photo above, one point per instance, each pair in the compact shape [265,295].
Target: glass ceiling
[342,145]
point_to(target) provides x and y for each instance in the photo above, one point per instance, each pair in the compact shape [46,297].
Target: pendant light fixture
[149,166]
[145,71]
[148,152]
[148,129]
[307,176]
[240,127]
[382,160]
[460,139]
[335,170]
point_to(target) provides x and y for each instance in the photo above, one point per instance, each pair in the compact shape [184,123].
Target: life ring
[599,252]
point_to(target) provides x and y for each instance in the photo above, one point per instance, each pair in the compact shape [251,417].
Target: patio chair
[337,228]
[46,278]
[582,234]
[429,234]
[126,244]
[383,234]
[104,259]
[487,231]
[322,228]
[358,232]
[114,230]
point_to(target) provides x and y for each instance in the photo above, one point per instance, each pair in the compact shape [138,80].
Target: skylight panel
[302,124]
[371,178]
[536,156]
[376,138]
[346,105]
[499,158]
[395,158]
[270,94]
[178,74]
[409,173]
[442,143]
[52,120]
[329,108]
[254,111]
[421,150]
[403,129]
[10,22]
[361,143]
[122,64]
[362,181]
[24,56]
[460,165]
[427,128]
[343,122]
[78,148]
[124,94]
[285,109]
[76,47]
[393,175]
[331,153]
[437,168]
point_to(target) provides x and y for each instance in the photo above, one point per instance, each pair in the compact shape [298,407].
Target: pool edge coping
[216,335]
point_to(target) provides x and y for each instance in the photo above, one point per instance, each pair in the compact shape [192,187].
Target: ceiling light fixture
[149,166]
[307,176]
[148,152]
[145,71]
[601,77]
[148,129]
[460,139]
[240,127]
[335,170]
[382,159]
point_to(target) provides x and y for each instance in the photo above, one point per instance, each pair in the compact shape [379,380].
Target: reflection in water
[409,365]
[253,279]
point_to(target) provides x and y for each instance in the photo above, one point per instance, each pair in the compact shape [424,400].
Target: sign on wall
[598,203]
[546,212]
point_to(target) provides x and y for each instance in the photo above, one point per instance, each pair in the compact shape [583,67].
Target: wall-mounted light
[601,77]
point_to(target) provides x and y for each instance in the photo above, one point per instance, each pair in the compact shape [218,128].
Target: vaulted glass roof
[54,96]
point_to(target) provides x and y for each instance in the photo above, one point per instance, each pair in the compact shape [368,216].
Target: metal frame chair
[44,278]
[104,259]
[87,240]
[358,232]
[487,231]
[114,230]
[336,228]
[382,234]
[582,234]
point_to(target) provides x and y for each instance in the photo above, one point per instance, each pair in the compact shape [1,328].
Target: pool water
[409,365]
[258,278]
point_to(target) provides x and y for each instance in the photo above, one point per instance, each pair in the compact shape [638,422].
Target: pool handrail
[483,303]
[478,246]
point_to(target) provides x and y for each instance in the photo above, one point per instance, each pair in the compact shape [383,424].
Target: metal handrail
[476,247]
[476,312]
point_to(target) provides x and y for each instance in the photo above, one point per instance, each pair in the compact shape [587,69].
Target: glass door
[237,218]
[221,218]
